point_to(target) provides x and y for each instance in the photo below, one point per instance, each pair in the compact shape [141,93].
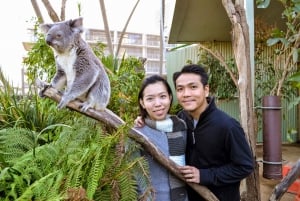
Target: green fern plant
[83,157]
[28,111]
[79,161]
[15,142]
[126,75]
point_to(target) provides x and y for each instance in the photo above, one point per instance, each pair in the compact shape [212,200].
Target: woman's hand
[139,122]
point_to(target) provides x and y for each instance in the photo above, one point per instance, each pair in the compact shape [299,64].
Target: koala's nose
[48,41]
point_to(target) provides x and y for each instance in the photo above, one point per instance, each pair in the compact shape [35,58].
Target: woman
[167,132]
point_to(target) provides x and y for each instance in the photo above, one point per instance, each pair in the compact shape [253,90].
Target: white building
[133,44]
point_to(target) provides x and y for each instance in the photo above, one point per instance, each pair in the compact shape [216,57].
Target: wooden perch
[286,182]
[111,119]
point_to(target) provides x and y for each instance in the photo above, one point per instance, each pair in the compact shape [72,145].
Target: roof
[206,20]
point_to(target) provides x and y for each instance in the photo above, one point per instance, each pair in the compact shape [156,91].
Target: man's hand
[139,122]
[190,173]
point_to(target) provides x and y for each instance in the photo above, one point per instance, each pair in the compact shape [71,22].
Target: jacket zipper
[193,135]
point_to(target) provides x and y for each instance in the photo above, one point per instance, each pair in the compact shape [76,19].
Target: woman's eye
[149,99]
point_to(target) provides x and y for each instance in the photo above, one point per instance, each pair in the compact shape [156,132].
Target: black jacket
[219,149]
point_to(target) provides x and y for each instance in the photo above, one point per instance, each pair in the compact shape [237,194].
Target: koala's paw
[85,106]
[63,103]
[41,92]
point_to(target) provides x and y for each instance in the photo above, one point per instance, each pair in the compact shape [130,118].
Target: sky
[16,16]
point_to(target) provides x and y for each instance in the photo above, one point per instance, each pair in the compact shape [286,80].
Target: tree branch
[111,119]
[37,11]
[221,59]
[63,10]
[54,17]
[285,183]
[106,27]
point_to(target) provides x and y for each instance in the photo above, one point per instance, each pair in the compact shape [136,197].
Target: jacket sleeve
[241,161]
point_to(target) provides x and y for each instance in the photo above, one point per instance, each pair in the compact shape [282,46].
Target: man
[217,155]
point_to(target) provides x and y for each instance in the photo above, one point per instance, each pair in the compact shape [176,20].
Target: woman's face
[156,101]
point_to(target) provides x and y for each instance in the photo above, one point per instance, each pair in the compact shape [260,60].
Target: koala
[78,71]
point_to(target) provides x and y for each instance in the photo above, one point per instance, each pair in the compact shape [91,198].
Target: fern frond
[127,187]
[46,188]
[101,160]
[27,170]
[15,142]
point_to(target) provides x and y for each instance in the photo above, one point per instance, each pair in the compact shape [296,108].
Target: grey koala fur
[77,68]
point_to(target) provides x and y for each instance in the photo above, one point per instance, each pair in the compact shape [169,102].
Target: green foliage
[175,108]
[294,81]
[28,111]
[41,160]
[15,142]
[262,3]
[220,82]
[39,62]
[126,77]
[286,47]
[82,157]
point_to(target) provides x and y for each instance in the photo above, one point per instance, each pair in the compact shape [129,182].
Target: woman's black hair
[152,80]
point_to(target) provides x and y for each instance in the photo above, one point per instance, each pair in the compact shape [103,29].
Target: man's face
[191,93]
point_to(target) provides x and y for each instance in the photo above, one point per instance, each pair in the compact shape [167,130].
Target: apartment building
[133,44]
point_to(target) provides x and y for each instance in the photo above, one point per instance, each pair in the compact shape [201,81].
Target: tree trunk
[37,11]
[162,38]
[113,121]
[125,28]
[106,27]
[241,49]
[51,12]
[63,10]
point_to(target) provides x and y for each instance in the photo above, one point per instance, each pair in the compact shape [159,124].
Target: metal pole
[272,153]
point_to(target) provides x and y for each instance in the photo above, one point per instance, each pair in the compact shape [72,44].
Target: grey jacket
[159,175]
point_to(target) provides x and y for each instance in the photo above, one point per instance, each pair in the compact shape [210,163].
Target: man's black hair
[195,69]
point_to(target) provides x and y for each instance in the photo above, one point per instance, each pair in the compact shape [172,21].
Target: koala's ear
[76,24]
[45,27]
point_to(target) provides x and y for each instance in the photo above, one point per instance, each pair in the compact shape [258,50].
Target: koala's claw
[62,104]
[84,107]
[41,92]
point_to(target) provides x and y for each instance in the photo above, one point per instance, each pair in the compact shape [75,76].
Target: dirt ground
[290,154]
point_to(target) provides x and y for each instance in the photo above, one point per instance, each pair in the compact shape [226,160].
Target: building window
[96,35]
[131,38]
[153,40]
[134,51]
[153,53]
[152,67]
